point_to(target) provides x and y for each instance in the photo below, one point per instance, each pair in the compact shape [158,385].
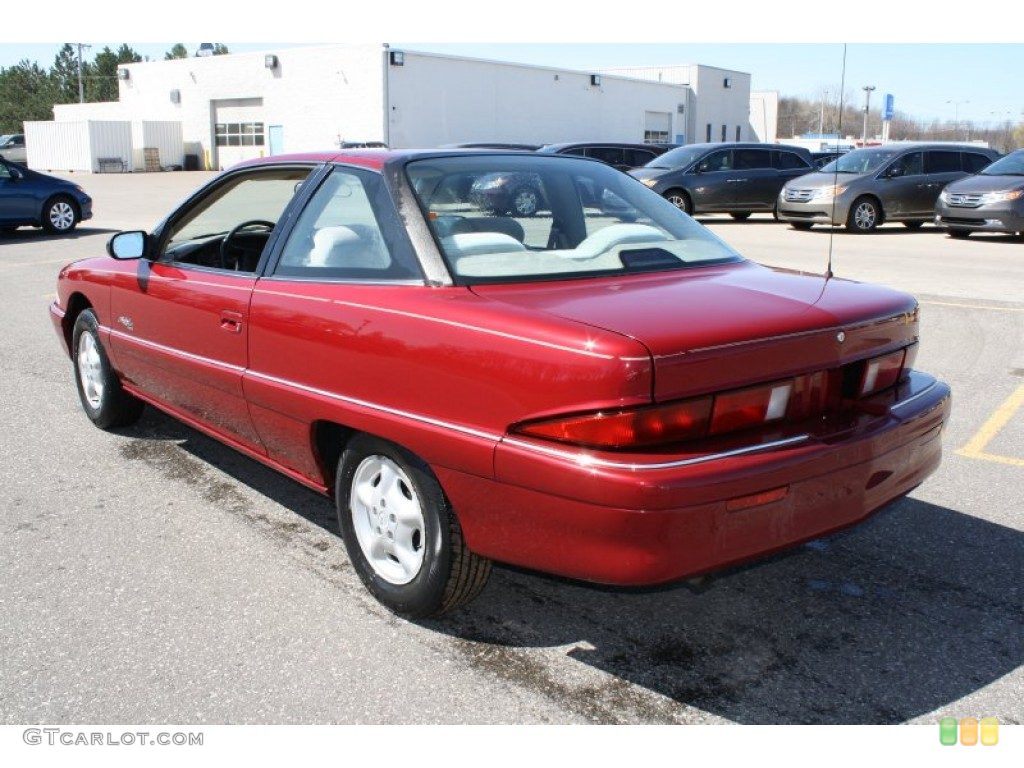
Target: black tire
[450,575]
[113,407]
[913,224]
[865,215]
[803,225]
[960,234]
[680,200]
[60,215]
[742,216]
[524,202]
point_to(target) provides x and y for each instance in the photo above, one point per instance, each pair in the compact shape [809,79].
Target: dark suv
[625,157]
[738,179]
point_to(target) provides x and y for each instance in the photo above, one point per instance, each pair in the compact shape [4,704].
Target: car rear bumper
[658,523]
[983,219]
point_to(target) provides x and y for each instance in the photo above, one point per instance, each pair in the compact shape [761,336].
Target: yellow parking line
[972,306]
[975,449]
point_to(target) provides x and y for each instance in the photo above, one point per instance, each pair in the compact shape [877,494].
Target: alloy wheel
[90,369]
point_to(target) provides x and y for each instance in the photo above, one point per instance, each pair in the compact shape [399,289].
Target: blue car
[28,198]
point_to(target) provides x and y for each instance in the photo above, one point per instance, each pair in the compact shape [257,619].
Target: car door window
[974,162]
[635,158]
[576,151]
[941,162]
[610,155]
[911,164]
[229,228]
[717,161]
[5,172]
[348,231]
[751,159]
[787,161]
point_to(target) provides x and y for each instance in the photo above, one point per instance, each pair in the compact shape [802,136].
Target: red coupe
[605,391]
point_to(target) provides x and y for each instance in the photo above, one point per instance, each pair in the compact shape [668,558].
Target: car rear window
[513,218]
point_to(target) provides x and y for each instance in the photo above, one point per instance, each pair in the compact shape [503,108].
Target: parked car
[867,187]
[990,201]
[621,403]
[494,145]
[734,178]
[29,198]
[12,147]
[625,157]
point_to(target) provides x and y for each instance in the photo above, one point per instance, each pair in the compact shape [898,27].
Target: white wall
[719,105]
[77,145]
[764,115]
[438,99]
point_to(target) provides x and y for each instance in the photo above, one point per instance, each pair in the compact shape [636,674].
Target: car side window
[575,151]
[717,161]
[637,157]
[974,162]
[5,172]
[339,234]
[786,161]
[911,164]
[941,162]
[751,159]
[229,227]
[610,155]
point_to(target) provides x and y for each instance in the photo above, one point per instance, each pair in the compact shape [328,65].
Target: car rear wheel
[60,215]
[680,200]
[865,216]
[741,216]
[104,400]
[913,224]
[800,225]
[960,234]
[401,534]
[525,202]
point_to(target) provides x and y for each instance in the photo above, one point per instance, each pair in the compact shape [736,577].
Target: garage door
[239,131]
[657,126]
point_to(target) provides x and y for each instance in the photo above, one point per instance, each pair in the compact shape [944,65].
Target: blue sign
[890,107]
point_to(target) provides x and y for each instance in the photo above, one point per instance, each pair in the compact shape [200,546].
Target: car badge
[841,337]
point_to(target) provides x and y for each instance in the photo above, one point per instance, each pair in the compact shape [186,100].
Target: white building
[239,106]
[764,115]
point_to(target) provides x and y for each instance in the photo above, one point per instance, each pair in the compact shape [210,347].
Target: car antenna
[835,174]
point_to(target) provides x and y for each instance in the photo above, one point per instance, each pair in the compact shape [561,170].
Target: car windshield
[1011,165]
[861,161]
[677,158]
[504,218]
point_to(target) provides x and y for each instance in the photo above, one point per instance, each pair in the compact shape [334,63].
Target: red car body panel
[447,371]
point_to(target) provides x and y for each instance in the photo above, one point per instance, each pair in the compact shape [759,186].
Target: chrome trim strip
[493,437]
[588,460]
[912,398]
[172,351]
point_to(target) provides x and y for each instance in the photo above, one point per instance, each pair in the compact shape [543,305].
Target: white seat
[343,247]
[465,244]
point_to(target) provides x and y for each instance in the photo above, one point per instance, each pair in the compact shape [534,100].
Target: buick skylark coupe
[604,391]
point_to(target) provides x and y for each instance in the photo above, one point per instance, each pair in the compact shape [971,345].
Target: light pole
[821,115]
[956,116]
[81,90]
[867,106]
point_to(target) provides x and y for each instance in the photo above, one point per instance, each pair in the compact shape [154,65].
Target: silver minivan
[12,148]
[868,187]
[992,201]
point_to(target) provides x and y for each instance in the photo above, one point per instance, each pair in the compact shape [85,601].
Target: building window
[239,134]
[738,134]
[656,137]
[723,132]
[709,133]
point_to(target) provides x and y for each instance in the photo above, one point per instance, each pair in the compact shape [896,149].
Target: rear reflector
[757,499]
[881,372]
[750,407]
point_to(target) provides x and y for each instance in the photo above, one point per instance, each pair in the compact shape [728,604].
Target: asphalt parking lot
[155,576]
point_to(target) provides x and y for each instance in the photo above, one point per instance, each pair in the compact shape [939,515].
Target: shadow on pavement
[915,609]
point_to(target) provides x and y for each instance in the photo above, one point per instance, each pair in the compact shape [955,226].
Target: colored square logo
[989,731]
[969,731]
[947,731]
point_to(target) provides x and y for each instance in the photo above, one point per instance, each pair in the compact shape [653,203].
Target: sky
[944,81]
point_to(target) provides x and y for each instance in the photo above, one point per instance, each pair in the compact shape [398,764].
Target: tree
[27,92]
[101,74]
[65,74]
[178,51]
[219,49]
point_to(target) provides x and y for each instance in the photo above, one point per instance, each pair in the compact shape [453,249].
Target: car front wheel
[401,534]
[680,200]
[742,216]
[104,400]
[525,202]
[960,234]
[60,215]
[865,216]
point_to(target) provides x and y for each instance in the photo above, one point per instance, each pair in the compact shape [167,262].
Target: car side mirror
[128,245]
[701,168]
[15,173]
[895,172]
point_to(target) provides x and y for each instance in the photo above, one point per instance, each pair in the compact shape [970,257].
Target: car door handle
[231,321]
[735,181]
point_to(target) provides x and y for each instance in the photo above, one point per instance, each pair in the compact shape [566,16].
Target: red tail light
[624,429]
[751,407]
[881,372]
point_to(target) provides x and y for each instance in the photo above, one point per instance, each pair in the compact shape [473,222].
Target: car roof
[924,145]
[615,144]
